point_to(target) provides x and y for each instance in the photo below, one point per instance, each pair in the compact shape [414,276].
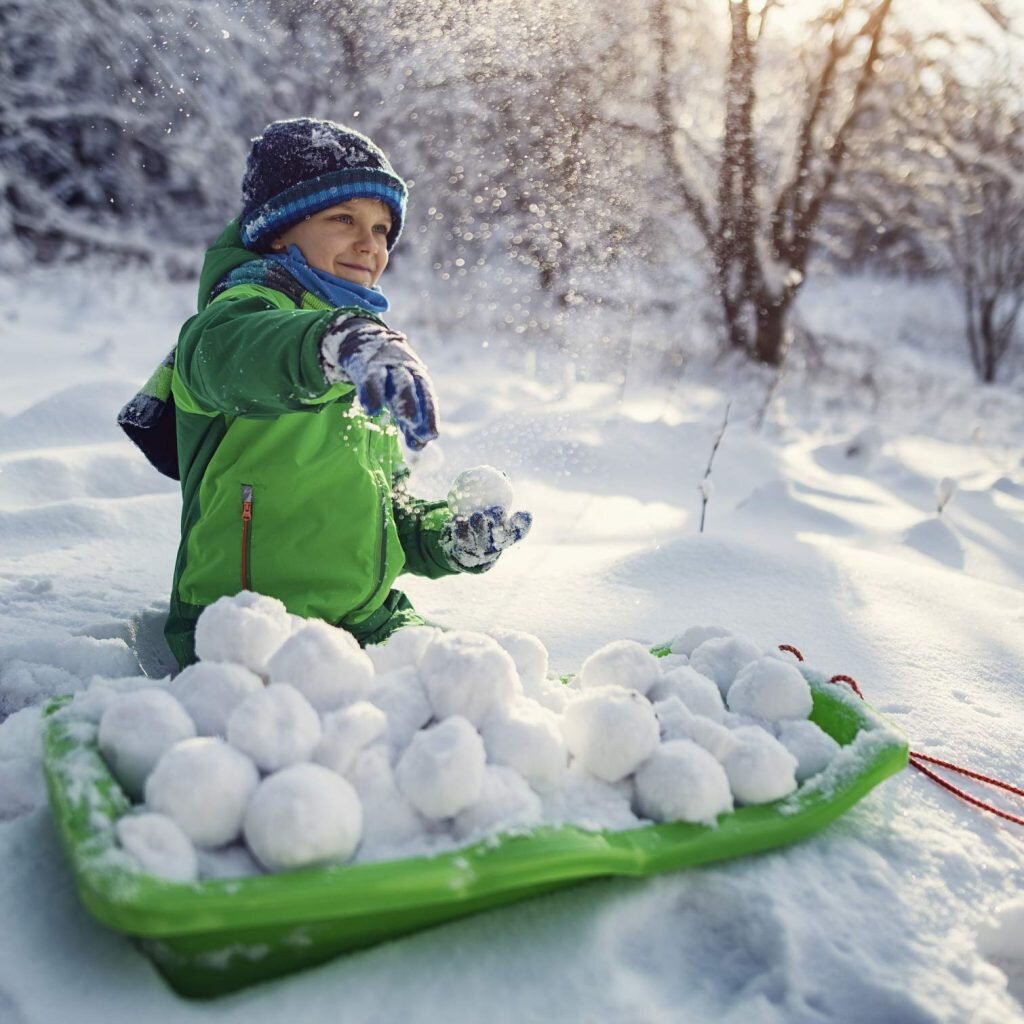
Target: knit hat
[301,166]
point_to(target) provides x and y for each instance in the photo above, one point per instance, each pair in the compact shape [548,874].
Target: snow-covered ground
[822,532]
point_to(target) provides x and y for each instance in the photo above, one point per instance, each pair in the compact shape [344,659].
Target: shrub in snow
[136,729]
[770,689]
[681,781]
[204,785]
[346,732]
[276,727]
[441,771]
[622,663]
[210,690]
[302,816]
[403,648]
[468,674]
[527,738]
[610,731]
[390,820]
[760,768]
[246,629]
[696,691]
[721,658]
[159,846]
[529,654]
[505,802]
[479,488]
[812,747]
[325,664]
[688,641]
[400,694]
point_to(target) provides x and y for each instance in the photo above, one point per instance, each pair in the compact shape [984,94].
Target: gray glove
[385,371]
[476,541]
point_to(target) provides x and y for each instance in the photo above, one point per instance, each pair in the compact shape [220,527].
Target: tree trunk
[772,338]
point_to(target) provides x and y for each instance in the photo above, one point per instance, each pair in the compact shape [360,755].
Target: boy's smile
[349,240]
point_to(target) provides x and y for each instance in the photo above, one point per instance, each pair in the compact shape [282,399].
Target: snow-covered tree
[973,138]
[794,118]
[123,125]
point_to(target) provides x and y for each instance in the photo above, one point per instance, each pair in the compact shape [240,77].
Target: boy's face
[349,240]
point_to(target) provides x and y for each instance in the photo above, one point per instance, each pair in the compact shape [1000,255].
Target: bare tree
[976,188]
[759,222]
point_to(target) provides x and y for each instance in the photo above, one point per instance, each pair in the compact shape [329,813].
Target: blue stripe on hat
[308,197]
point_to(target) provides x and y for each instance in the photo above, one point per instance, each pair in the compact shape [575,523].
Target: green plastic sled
[214,937]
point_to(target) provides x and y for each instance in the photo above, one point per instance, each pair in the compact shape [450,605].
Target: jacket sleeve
[245,355]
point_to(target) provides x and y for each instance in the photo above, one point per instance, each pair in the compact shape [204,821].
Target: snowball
[506,802]
[671,661]
[812,747]
[210,690]
[528,739]
[553,694]
[770,689]
[674,719]
[301,816]
[611,731]
[246,629]
[760,768]
[442,769]
[390,820]
[696,691]
[720,658]
[159,845]
[588,802]
[325,664]
[204,785]
[714,737]
[622,663]
[687,642]
[136,729]
[468,674]
[400,694]
[403,648]
[276,727]
[479,488]
[529,654]
[346,732]
[227,862]
[681,781]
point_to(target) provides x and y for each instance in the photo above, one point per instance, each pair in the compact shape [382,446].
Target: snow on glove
[477,540]
[385,371]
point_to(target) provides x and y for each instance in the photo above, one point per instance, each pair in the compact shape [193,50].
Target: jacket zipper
[246,534]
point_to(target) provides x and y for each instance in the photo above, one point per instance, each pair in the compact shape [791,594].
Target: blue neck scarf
[335,290]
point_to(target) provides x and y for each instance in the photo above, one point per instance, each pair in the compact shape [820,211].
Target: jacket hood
[222,257]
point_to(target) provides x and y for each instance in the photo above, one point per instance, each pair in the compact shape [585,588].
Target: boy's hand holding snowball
[481,526]
[385,371]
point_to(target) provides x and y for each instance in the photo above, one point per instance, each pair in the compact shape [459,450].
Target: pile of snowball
[288,746]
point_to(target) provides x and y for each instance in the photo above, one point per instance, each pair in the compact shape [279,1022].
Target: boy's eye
[345,218]
[382,228]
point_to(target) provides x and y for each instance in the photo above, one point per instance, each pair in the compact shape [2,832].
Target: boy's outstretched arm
[245,355]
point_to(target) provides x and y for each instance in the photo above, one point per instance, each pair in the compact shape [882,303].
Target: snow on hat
[300,166]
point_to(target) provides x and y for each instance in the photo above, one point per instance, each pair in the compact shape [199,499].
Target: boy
[288,388]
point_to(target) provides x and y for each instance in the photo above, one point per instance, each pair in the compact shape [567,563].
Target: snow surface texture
[879,918]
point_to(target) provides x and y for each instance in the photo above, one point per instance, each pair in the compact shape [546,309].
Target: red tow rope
[916,759]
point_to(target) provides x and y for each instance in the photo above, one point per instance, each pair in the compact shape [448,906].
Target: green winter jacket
[288,488]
